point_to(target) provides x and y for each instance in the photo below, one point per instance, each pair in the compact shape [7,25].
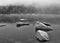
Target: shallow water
[25,34]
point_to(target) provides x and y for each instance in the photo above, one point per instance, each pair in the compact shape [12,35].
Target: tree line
[14,9]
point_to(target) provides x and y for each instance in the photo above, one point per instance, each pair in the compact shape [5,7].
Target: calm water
[25,34]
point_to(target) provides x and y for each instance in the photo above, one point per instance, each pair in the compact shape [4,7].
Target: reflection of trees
[9,19]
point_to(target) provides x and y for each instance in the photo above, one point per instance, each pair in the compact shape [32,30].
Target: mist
[29,2]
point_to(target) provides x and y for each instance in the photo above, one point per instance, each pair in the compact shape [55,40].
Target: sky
[29,2]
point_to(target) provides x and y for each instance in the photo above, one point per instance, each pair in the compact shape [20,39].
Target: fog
[30,2]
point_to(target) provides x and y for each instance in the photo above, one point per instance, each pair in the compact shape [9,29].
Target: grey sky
[29,2]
